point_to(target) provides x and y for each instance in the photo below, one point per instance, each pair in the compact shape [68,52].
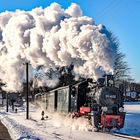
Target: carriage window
[63,100]
[73,92]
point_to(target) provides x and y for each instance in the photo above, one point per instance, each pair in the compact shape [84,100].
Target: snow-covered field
[57,127]
[132,119]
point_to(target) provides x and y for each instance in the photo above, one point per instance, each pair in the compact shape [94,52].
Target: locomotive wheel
[104,129]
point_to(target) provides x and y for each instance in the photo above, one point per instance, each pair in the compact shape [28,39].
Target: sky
[122,17]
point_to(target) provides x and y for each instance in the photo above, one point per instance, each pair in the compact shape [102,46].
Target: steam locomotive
[101,103]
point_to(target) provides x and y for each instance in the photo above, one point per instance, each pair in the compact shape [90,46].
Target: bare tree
[121,69]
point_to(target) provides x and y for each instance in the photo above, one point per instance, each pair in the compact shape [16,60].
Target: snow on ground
[132,124]
[132,107]
[55,127]
[132,119]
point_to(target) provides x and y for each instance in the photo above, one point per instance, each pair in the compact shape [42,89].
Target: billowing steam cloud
[52,37]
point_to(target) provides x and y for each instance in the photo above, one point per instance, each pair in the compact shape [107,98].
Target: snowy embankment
[52,128]
[17,130]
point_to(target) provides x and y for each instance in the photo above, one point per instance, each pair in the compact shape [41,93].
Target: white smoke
[52,37]
[59,120]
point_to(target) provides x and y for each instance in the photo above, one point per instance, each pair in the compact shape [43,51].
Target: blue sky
[120,16]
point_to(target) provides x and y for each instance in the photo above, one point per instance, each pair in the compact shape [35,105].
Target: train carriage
[66,99]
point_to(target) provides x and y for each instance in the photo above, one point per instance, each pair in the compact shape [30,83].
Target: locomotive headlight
[104,109]
[121,109]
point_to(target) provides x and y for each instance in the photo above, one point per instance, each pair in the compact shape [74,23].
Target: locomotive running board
[125,136]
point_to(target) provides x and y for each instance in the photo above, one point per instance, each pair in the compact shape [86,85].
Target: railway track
[125,136]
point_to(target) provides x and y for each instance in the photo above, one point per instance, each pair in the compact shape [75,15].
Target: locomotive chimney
[109,80]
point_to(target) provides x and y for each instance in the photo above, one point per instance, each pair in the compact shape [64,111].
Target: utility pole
[27,90]
[7,102]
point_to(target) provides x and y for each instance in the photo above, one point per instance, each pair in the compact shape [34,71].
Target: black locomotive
[108,108]
[101,103]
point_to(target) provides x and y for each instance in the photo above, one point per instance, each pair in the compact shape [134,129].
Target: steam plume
[52,37]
